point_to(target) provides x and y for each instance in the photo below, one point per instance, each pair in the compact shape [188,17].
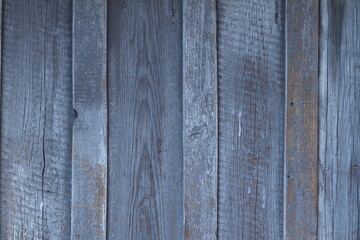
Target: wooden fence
[180,119]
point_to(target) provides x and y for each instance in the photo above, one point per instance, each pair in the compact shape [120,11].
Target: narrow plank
[36,117]
[251,60]
[200,115]
[301,173]
[145,118]
[339,120]
[89,161]
[1,16]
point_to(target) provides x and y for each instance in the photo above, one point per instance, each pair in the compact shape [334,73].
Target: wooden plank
[1,16]
[89,162]
[145,106]
[339,120]
[324,221]
[36,117]
[200,131]
[251,59]
[301,173]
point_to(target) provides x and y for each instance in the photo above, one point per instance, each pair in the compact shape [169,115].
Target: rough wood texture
[1,16]
[251,58]
[301,176]
[339,120]
[36,120]
[200,119]
[89,160]
[206,138]
[145,147]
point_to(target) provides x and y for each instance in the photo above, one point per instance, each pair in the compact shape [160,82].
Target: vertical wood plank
[251,61]
[301,173]
[145,118]
[89,162]
[35,166]
[339,120]
[1,16]
[200,130]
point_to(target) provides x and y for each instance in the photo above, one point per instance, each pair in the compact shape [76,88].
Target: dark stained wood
[36,118]
[301,173]
[200,131]
[145,119]
[251,61]
[339,120]
[89,160]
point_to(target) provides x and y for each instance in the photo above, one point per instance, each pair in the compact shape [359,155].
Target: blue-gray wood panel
[89,146]
[170,119]
[301,158]
[36,120]
[145,188]
[200,116]
[339,121]
[251,74]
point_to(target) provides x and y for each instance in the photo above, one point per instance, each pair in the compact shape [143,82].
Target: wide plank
[36,119]
[89,153]
[145,119]
[251,61]
[302,119]
[339,171]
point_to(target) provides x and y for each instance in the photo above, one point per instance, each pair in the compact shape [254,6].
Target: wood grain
[89,156]
[339,120]
[251,60]
[145,118]
[301,174]
[200,130]
[36,119]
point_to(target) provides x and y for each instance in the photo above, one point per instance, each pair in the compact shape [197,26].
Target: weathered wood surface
[339,120]
[145,109]
[36,117]
[301,166]
[251,56]
[179,123]
[89,156]
[200,131]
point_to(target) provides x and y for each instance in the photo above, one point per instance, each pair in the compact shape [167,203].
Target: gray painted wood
[89,159]
[251,60]
[36,117]
[1,16]
[145,119]
[200,115]
[339,120]
[301,173]
[197,110]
